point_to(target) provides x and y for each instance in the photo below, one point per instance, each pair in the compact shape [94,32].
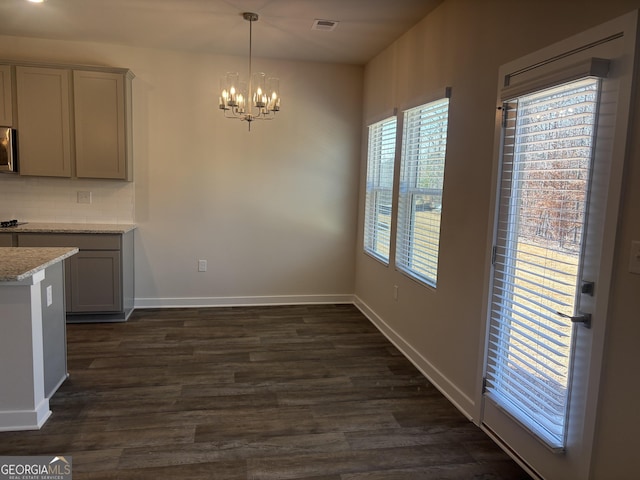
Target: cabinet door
[95,280]
[44,133]
[6,107]
[101,137]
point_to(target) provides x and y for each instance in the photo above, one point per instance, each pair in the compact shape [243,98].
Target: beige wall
[272,210]
[461,45]
[40,199]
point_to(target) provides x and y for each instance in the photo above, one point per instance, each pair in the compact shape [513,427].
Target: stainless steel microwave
[8,150]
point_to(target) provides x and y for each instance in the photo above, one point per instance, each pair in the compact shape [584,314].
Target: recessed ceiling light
[36,1]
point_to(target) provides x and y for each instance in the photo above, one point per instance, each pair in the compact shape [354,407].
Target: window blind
[379,189]
[420,197]
[548,140]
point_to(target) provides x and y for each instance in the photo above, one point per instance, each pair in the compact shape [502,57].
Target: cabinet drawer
[82,241]
[6,240]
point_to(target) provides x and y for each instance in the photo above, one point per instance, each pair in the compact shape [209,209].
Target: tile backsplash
[40,199]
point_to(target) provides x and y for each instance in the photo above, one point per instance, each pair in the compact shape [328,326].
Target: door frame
[587,410]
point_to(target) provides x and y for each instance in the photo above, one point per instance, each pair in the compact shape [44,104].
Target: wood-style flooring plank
[297,392]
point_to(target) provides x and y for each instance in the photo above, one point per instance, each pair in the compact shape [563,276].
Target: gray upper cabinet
[44,121]
[6,105]
[102,124]
[72,121]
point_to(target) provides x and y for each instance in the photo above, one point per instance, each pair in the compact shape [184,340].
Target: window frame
[374,189]
[406,193]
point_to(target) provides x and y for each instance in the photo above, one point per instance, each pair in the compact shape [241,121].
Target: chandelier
[260,101]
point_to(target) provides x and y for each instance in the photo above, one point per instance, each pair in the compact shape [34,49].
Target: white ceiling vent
[326,25]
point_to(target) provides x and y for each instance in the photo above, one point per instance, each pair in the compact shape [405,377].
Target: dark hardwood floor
[297,392]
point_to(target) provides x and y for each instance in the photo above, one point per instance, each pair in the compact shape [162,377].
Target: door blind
[548,140]
[421,179]
[378,200]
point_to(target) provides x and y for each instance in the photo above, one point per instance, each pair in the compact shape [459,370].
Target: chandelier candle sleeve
[258,102]
[259,97]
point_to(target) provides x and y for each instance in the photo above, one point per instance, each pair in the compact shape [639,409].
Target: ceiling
[216,26]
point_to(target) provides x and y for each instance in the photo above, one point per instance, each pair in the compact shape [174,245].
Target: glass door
[549,139]
[560,148]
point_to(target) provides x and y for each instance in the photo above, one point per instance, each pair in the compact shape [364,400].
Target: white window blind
[379,190]
[420,198]
[548,140]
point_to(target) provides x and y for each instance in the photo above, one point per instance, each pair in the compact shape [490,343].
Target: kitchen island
[33,339]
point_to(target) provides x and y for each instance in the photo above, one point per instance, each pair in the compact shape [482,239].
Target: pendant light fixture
[260,101]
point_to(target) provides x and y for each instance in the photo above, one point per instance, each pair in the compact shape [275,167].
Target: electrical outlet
[634,257]
[202,265]
[49,295]
[84,197]
[395,292]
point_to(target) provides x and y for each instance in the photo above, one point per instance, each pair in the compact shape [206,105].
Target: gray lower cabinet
[98,279]
[6,240]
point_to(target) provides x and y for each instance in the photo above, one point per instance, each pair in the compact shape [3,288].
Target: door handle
[583,318]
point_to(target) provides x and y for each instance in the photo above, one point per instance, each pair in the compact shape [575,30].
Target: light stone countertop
[120,228]
[20,263]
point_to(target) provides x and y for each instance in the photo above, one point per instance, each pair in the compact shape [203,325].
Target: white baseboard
[459,399]
[202,302]
[19,420]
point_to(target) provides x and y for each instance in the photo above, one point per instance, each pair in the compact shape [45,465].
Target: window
[380,162]
[420,198]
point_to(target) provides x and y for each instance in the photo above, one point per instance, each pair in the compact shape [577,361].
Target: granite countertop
[70,228]
[20,263]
